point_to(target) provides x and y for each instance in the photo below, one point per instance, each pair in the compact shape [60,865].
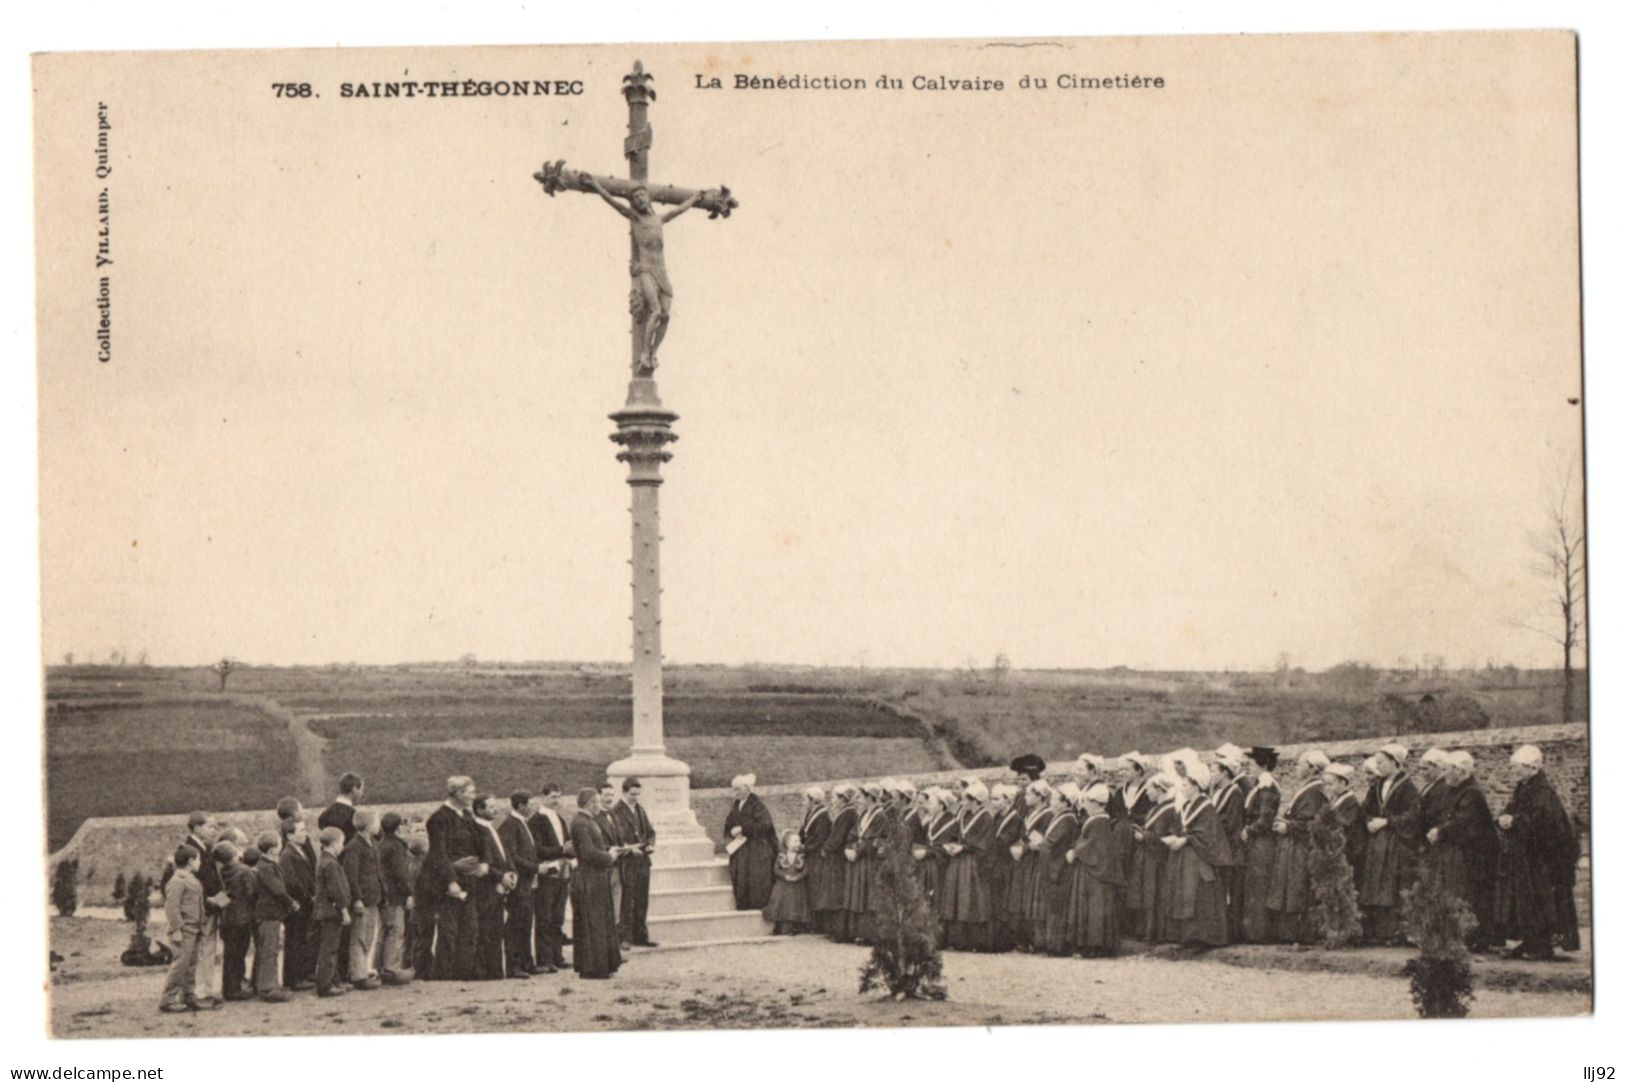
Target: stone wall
[108,846]
[1565,747]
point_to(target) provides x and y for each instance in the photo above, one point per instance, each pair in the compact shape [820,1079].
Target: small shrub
[137,900]
[1334,913]
[1438,922]
[142,951]
[65,886]
[905,958]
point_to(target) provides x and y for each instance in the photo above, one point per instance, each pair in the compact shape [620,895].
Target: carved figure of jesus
[651,288]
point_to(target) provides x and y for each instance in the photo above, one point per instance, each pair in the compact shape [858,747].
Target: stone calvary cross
[643,430]
[651,288]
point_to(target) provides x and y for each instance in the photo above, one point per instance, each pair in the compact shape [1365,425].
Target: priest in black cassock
[752,845]
[595,939]
[491,892]
[1535,901]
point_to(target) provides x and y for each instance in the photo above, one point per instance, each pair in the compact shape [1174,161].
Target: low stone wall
[1565,747]
[108,846]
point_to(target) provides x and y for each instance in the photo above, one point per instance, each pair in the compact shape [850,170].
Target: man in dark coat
[553,849]
[519,935]
[445,885]
[491,891]
[639,833]
[341,813]
[201,832]
[1466,848]
[752,845]
[596,948]
[1539,852]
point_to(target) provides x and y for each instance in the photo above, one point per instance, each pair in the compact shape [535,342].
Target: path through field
[309,748]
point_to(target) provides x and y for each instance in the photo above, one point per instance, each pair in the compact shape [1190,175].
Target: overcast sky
[1278,358]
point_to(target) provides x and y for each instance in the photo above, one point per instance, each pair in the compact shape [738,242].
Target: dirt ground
[808,982]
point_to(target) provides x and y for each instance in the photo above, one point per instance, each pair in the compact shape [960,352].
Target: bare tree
[1559,547]
[1001,670]
[224,668]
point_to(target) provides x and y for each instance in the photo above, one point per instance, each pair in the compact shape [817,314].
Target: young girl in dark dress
[790,907]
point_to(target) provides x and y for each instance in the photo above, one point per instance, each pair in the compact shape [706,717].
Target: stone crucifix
[635,200]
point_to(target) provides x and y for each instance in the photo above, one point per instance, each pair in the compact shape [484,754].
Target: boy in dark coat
[395,908]
[299,877]
[236,919]
[332,911]
[366,883]
[272,907]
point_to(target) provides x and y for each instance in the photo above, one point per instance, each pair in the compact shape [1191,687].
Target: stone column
[643,431]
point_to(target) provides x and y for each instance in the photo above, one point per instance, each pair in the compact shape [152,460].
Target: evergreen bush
[905,958]
[1334,912]
[142,951]
[1438,923]
[65,886]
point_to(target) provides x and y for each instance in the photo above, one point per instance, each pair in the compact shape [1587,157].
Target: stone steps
[691,900]
[689,929]
[684,900]
[701,873]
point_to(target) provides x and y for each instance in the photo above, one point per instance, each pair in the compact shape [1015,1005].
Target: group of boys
[333,911]
[340,911]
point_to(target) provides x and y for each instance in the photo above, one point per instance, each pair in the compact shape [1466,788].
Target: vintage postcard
[813,535]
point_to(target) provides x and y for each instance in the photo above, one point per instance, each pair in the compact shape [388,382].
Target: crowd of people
[1169,850]
[480,894]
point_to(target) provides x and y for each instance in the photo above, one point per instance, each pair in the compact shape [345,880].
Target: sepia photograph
[812,535]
